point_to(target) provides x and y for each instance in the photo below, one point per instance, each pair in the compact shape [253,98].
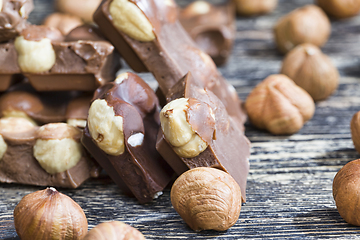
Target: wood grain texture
[289,193]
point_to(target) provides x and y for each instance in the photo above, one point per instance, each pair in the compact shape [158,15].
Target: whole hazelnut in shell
[355,130]
[278,105]
[113,230]
[207,198]
[48,214]
[346,192]
[312,70]
[254,7]
[340,8]
[308,24]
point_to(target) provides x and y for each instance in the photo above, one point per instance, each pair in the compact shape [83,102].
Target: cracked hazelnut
[308,24]
[340,8]
[278,105]
[312,70]
[254,7]
[346,192]
[57,147]
[128,18]
[178,131]
[207,199]
[35,56]
[48,214]
[81,8]
[114,230]
[105,128]
[64,22]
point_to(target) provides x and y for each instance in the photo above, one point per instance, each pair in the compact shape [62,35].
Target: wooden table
[289,193]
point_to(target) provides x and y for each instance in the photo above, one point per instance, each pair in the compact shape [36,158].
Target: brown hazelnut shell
[312,70]
[340,8]
[255,7]
[278,105]
[355,130]
[308,24]
[346,192]
[114,230]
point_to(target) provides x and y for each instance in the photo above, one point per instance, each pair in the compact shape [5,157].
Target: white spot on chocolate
[136,139]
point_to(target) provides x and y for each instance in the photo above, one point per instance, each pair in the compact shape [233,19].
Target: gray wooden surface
[289,193]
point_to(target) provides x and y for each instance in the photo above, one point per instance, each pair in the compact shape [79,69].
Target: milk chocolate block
[10,72]
[196,131]
[13,15]
[121,132]
[52,64]
[44,107]
[212,27]
[50,155]
[156,41]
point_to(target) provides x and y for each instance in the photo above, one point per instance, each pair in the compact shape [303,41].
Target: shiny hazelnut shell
[312,70]
[48,214]
[114,230]
[308,24]
[340,8]
[346,192]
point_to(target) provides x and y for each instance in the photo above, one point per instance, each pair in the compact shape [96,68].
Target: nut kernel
[178,132]
[80,123]
[3,147]
[1,4]
[35,56]
[128,18]
[105,128]
[56,150]
[15,125]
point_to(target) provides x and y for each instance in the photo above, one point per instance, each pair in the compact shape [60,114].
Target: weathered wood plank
[289,192]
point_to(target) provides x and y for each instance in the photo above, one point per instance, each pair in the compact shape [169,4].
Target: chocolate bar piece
[212,27]
[13,15]
[121,133]
[169,54]
[38,155]
[227,147]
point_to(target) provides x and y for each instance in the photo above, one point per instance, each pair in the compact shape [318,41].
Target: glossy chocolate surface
[171,55]
[140,168]
[213,29]
[228,150]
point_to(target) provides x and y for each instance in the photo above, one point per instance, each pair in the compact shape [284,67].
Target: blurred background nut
[81,8]
[62,21]
[48,214]
[308,24]
[355,130]
[312,70]
[3,147]
[35,56]
[207,199]
[346,192]
[255,7]
[57,147]
[128,18]
[196,8]
[105,128]
[114,230]
[278,105]
[178,131]
[340,8]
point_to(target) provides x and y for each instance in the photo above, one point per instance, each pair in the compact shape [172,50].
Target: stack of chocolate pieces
[47,81]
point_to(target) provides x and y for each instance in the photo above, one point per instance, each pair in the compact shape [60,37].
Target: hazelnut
[255,7]
[57,147]
[278,105]
[35,56]
[308,24]
[355,130]
[346,192]
[81,8]
[3,147]
[196,8]
[178,131]
[312,70]
[62,21]
[114,230]
[48,214]
[128,18]
[340,8]
[1,5]
[16,125]
[105,128]
[207,199]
